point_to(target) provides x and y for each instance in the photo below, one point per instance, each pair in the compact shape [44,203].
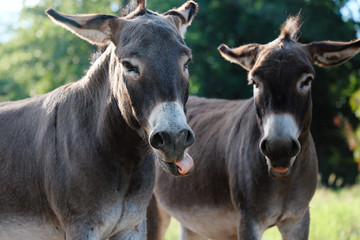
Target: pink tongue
[185,165]
[280,170]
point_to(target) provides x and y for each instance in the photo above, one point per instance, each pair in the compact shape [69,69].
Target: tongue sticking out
[185,165]
[280,170]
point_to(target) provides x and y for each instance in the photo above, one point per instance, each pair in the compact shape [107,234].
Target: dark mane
[291,27]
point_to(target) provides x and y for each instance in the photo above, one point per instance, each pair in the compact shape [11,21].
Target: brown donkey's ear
[245,55]
[98,29]
[328,53]
[184,15]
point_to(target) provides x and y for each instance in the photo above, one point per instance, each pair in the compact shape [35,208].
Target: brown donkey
[256,164]
[79,162]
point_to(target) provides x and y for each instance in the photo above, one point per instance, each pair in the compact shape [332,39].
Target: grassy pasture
[335,215]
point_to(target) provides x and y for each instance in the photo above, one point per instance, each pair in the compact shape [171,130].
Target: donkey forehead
[148,33]
[282,59]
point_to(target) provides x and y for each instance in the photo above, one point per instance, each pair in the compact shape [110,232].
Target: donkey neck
[110,125]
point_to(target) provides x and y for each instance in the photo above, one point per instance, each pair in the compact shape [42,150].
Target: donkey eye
[186,65]
[306,82]
[255,84]
[129,67]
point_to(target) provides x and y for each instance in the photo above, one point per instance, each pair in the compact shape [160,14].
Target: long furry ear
[98,29]
[245,55]
[329,54]
[141,4]
[184,15]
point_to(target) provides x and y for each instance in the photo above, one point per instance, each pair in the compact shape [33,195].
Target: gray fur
[76,163]
[251,174]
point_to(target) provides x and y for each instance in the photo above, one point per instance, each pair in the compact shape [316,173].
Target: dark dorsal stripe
[61,18]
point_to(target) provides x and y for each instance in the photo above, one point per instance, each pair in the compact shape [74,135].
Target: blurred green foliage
[42,56]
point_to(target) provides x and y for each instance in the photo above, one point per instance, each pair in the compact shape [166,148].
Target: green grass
[173,231]
[335,215]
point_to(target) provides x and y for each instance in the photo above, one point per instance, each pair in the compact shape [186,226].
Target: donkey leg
[157,220]
[186,234]
[295,229]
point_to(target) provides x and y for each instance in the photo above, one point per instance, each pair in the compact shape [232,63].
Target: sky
[11,6]
[351,9]
[9,13]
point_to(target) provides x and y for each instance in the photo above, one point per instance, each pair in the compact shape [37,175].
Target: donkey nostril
[295,149]
[186,137]
[158,140]
[263,147]
[165,140]
[189,138]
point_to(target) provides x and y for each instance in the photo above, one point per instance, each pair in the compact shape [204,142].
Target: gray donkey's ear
[184,15]
[329,53]
[97,29]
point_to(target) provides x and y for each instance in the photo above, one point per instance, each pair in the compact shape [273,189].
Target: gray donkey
[256,164]
[78,162]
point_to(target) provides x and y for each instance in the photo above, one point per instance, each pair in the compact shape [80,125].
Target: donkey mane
[95,55]
[290,28]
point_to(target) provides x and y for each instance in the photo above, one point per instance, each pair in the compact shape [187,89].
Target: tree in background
[42,56]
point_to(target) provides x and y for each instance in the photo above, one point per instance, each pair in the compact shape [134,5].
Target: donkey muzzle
[280,155]
[279,144]
[171,137]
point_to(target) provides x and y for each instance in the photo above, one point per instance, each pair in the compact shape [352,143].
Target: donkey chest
[212,222]
[271,207]
[122,217]
[128,211]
